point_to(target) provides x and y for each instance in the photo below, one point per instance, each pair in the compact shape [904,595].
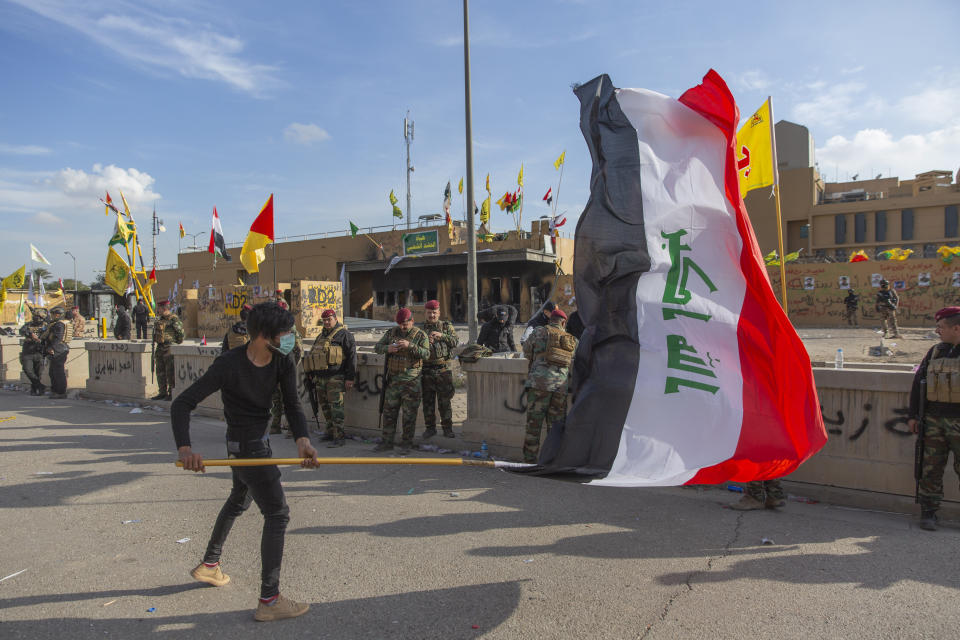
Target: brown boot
[747,503]
[210,575]
[281,609]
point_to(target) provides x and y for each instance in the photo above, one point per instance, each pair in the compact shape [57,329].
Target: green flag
[121,232]
[353,230]
[397,213]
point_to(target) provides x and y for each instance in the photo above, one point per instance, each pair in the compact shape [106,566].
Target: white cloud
[45,217]
[754,80]
[305,134]
[932,106]
[162,43]
[852,70]
[69,190]
[23,150]
[905,157]
[832,105]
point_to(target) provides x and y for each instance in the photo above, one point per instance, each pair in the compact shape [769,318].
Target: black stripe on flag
[610,250]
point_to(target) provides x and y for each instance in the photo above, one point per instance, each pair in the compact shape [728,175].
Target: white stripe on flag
[668,437]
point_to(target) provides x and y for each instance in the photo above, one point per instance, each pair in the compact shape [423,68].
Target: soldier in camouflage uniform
[56,345]
[941,419]
[332,368]
[276,409]
[550,350]
[31,354]
[886,306]
[437,375]
[167,330]
[406,347]
[237,334]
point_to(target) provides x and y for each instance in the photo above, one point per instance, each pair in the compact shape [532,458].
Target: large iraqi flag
[688,371]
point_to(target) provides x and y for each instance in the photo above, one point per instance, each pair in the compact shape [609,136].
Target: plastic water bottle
[838,361]
[484,451]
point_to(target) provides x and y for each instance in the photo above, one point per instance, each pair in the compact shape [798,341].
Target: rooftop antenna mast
[408,138]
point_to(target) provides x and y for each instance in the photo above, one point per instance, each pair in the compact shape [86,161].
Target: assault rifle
[383,389]
[918,448]
[314,399]
[153,358]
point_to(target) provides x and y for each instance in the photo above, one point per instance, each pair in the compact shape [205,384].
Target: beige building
[515,268]
[831,220]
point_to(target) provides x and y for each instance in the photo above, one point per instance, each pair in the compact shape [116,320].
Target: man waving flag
[688,371]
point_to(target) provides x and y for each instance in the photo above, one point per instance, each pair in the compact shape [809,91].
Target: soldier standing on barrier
[56,340]
[550,350]
[940,421]
[237,335]
[886,306]
[31,354]
[437,376]
[140,314]
[406,347]
[331,367]
[167,330]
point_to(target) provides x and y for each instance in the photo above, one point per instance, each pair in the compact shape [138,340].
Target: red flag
[108,200]
[61,283]
[548,197]
[153,275]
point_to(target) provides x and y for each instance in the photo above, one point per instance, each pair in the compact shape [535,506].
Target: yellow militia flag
[755,161]
[16,279]
[485,211]
[126,207]
[393,198]
[520,176]
[117,274]
[559,161]
[488,183]
[460,188]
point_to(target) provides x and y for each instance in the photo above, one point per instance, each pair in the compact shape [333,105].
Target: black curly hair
[268,319]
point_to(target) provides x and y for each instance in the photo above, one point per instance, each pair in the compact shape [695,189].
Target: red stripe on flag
[264,222]
[782,425]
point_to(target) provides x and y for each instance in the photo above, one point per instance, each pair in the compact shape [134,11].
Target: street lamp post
[76,285]
[193,239]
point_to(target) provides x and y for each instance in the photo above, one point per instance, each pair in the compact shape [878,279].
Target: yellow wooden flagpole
[441,462]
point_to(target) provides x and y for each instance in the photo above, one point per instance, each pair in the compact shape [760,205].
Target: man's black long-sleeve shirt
[246,390]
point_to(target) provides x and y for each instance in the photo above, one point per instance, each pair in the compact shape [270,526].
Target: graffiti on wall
[310,298]
[815,292]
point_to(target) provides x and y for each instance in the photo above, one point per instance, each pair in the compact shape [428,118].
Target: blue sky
[188,105]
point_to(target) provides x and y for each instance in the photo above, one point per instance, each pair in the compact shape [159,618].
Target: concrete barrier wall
[10,368]
[120,369]
[76,368]
[496,404]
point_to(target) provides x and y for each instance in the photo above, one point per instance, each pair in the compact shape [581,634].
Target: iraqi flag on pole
[688,371]
[217,245]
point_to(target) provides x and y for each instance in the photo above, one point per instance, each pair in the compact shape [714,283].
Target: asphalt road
[431,552]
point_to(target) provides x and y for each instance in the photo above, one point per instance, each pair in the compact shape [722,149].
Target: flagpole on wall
[776,195]
[471,226]
[556,199]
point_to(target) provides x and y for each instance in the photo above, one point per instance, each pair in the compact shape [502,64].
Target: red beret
[279,291]
[946,312]
[247,307]
[403,315]
[163,303]
[558,313]
[432,304]
[283,304]
[327,313]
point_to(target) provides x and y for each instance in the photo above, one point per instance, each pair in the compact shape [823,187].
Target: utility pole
[157,227]
[408,137]
[471,226]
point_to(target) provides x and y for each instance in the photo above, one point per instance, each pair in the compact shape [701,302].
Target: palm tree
[40,274]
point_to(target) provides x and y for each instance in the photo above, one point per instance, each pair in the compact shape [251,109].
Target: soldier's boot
[326,437]
[448,432]
[160,396]
[429,432]
[928,519]
[337,440]
[383,446]
[405,446]
[747,503]
[773,503]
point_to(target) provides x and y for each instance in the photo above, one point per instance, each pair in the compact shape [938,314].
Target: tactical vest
[160,326]
[324,355]
[67,332]
[235,339]
[403,360]
[943,380]
[439,351]
[560,347]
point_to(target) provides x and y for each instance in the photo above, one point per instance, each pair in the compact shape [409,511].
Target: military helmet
[38,313]
[57,311]
[884,283]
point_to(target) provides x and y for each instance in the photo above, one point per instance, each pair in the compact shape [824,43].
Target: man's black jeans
[260,485]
